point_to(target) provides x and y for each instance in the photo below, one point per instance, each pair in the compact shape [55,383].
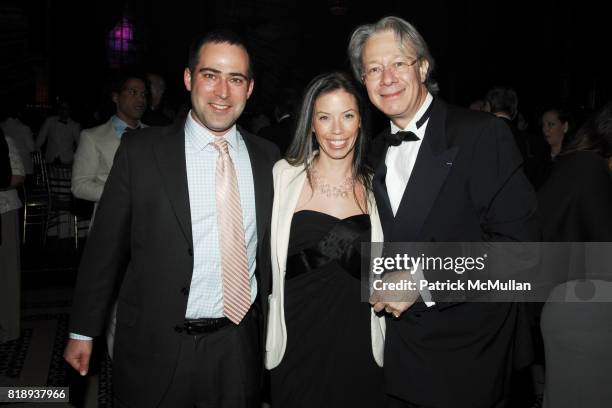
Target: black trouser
[218,370]
[399,403]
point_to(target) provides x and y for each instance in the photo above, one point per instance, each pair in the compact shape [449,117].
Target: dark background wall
[548,50]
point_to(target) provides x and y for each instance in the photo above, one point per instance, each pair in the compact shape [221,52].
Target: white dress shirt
[9,199]
[400,163]
[23,138]
[61,137]
[206,293]
[400,159]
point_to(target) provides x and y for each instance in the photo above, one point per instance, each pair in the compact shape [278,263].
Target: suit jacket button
[190,251]
[178,329]
[185,291]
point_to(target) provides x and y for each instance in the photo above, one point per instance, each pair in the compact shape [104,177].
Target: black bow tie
[407,136]
[395,139]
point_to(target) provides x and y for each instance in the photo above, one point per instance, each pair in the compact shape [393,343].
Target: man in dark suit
[442,174]
[188,320]
[504,104]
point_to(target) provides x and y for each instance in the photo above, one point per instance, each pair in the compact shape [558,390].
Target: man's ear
[423,68]
[251,86]
[187,79]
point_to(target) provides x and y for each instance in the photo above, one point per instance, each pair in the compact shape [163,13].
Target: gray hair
[405,33]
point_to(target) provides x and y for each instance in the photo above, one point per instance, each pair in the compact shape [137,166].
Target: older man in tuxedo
[181,230]
[441,174]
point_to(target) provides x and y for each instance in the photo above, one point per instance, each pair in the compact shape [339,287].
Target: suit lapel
[109,143]
[262,182]
[170,155]
[433,164]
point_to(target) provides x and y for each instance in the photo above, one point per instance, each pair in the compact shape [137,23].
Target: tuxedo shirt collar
[412,127]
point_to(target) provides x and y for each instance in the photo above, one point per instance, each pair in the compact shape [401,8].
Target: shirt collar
[201,138]
[120,126]
[412,124]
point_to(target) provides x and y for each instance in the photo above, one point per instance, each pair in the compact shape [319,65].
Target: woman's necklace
[331,191]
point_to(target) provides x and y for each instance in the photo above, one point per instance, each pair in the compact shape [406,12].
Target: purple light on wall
[122,46]
[121,35]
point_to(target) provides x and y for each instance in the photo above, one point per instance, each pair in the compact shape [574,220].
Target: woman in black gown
[324,345]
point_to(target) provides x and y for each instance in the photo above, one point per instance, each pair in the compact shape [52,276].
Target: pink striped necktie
[234,265]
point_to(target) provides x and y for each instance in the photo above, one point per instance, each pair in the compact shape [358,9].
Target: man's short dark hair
[220,36]
[120,78]
[503,99]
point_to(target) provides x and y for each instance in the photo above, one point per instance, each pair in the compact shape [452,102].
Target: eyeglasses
[375,71]
[136,92]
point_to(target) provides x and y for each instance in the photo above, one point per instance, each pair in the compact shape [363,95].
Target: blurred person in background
[61,135]
[21,134]
[97,146]
[556,125]
[157,113]
[575,206]
[10,262]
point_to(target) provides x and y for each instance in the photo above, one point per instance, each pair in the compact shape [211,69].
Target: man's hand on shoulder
[78,353]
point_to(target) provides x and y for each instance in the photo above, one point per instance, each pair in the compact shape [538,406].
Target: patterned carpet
[12,355]
[35,359]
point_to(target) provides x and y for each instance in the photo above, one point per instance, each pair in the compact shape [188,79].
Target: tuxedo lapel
[170,155]
[428,176]
[382,198]
[377,161]
[433,164]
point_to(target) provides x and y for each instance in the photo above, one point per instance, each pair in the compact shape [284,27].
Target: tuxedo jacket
[141,243]
[93,160]
[466,185]
[288,184]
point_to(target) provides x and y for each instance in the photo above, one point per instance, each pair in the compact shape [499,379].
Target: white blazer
[288,184]
[93,161]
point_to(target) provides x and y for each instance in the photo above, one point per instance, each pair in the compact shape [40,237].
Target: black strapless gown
[328,361]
